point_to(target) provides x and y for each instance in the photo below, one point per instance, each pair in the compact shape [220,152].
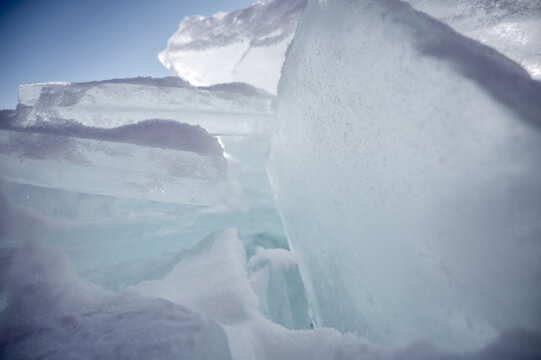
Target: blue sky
[84,40]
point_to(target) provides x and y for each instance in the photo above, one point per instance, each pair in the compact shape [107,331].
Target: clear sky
[84,40]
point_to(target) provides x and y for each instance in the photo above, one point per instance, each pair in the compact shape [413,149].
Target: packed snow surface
[405,160]
[247,45]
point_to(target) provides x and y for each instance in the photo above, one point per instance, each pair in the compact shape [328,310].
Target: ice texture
[405,160]
[152,160]
[247,45]
[222,109]
[513,27]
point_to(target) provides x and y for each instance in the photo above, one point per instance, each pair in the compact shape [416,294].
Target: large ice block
[49,312]
[221,109]
[405,160]
[153,160]
[247,45]
[513,27]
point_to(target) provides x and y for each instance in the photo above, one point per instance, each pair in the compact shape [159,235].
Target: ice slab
[153,160]
[247,45]
[405,160]
[512,27]
[221,109]
[116,242]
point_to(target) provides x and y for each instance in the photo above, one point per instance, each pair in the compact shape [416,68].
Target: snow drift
[405,160]
[153,160]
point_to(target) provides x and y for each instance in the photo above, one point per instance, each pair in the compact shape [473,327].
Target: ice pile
[221,109]
[48,311]
[405,160]
[136,194]
[405,163]
[513,27]
[247,45]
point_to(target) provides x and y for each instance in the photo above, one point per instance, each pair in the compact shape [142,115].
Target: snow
[405,164]
[210,278]
[247,45]
[52,313]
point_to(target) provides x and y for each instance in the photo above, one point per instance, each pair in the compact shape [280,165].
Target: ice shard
[512,27]
[405,161]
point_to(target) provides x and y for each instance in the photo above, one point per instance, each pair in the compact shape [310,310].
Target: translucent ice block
[138,162]
[405,160]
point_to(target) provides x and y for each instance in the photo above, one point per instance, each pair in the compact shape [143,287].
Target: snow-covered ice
[405,160]
[247,45]
[52,313]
